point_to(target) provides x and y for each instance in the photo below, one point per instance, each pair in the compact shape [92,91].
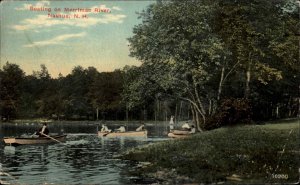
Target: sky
[37,32]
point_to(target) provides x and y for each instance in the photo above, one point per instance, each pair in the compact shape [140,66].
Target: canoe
[31,141]
[180,132]
[172,135]
[124,134]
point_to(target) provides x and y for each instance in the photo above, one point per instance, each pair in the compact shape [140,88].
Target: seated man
[121,129]
[193,130]
[186,126]
[43,131]
[140,128]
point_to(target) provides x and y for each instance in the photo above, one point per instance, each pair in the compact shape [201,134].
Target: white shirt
[193,131]
[140,128]
[187,126]
[171,120]
[121,129]
[104,129]
[43,128]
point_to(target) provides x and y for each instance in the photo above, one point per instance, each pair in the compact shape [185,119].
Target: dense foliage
[206,53]
[83,94]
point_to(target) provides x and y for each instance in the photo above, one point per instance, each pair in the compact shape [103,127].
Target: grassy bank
[245,154]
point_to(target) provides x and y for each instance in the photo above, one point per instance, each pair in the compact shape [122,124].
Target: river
[84,158]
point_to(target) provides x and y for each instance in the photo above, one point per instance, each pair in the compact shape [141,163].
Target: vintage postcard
[149,92]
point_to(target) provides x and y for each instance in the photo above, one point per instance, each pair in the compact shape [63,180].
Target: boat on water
[30,141]
[172,135]
[179,134]
[142,133]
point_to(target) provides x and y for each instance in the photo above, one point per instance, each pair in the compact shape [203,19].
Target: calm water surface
[84,158]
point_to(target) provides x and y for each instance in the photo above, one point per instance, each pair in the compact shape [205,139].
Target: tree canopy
[192,49]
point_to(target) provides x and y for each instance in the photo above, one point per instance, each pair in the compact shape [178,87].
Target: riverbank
[265,153]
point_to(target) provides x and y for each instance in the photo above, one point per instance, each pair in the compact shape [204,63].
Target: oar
[105,134]
[50,137]
[34,134]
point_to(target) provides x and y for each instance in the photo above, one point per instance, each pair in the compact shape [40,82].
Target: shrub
[231,112]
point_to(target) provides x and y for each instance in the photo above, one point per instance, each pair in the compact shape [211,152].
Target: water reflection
[84,158]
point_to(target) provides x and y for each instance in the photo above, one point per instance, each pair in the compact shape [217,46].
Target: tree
[176,43]
[75,89]
[190,49]
[11,78]
[43,74]
[104,92]
[245,27]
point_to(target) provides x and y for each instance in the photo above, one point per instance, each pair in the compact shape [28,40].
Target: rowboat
[180,132]
[30,141]
[172,135]
[124,134]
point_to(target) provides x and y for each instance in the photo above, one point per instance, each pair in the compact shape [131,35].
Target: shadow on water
[84,158]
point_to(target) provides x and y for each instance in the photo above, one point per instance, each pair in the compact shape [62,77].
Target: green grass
[256,153]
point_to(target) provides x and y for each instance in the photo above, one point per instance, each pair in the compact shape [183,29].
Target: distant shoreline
[43,120]
[99,122]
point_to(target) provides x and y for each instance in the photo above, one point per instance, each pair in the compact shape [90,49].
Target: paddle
[50,137]
[105,134]
[34,134]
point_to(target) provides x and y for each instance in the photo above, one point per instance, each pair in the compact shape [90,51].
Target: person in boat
[171,123]
[43,131]
[186,126]
[121,129]
[193,130]
[105,128]
[140,128]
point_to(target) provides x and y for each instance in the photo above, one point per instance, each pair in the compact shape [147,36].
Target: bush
[231,112]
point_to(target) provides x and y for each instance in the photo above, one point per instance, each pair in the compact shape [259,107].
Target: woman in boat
[105,128]
[121,129]
[193,130]
[140,128]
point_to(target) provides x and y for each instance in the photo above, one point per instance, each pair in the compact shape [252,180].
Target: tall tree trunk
[193,114]
[166,116]
[298,113]
[248,78]
[197,110]
[221,83]
[144,113]
[210,107]
[195,117]
[97,113]
[289,106]
[127,113]
[176,115]
[155,109]
[159,114]
[180,111]
[188,112]
[277,110]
